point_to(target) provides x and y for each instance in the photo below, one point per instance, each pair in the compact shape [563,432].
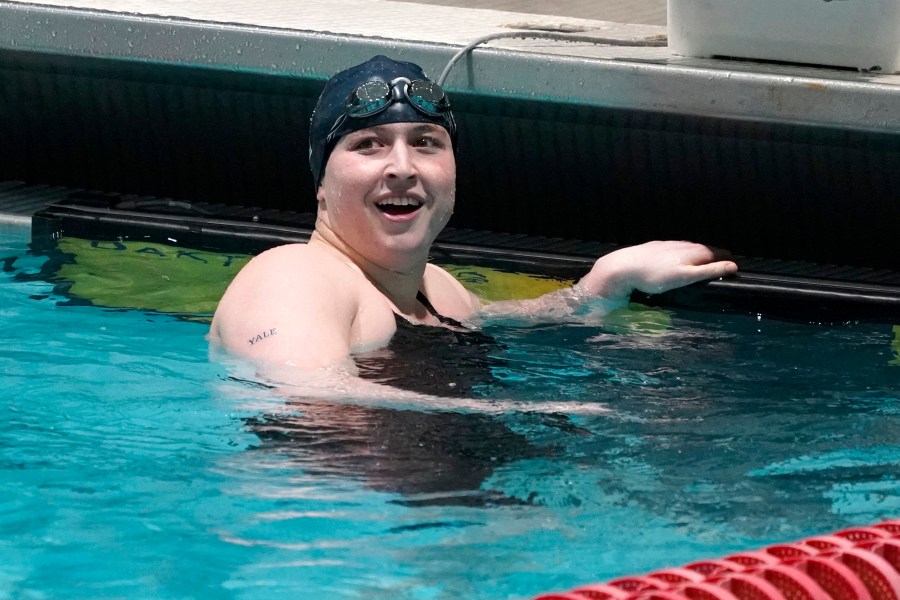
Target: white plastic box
[862,34]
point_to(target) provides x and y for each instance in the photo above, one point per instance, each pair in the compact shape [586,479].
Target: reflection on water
[134,466]
[430,457]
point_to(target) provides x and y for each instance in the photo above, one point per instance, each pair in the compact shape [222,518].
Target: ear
[320,197]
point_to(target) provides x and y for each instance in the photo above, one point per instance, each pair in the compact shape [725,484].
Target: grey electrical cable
[544,35]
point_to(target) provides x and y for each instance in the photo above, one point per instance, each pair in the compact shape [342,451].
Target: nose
[401,164]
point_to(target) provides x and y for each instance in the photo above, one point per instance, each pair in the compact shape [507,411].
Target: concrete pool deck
[598,66]
[647,12]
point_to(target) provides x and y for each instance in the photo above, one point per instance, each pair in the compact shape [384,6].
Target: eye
[364,143]
[428,142]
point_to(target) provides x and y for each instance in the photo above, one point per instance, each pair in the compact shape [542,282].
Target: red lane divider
[860,563]
[793,583]
[748,587]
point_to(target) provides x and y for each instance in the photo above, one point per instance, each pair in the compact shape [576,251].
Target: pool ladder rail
[861,563]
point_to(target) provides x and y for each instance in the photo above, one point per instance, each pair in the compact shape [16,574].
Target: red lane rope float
[661,595]
[864,534]
[602,592]
[634,585]
[793,583]
[889,550]
[712,568]
[880,577]
[748,587]
[754,558]
[860,563]
[786,552]
[892,527]
[838,580]
[828,542]
[706,591]
[674,577]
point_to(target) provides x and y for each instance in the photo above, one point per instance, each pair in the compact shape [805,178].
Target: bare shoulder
[284,289]
[278,260]
[271,277]
[448,295]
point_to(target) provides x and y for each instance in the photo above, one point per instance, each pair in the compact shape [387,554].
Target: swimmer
[382,153]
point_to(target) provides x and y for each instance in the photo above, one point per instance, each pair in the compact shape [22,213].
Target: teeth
[404,201]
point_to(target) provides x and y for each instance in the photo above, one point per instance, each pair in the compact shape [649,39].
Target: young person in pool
[382,153]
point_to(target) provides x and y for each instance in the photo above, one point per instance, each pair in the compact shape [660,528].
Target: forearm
[570,304]
[603,289]
[652,268]
[343,386]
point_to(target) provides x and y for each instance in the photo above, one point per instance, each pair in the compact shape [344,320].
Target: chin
[405,252]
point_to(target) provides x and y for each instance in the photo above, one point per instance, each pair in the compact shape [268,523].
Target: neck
[399,284]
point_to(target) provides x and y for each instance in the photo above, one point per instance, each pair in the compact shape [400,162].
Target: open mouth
[399,206]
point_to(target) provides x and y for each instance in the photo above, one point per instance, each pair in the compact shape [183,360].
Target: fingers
[722,268]
[700,254]
[689,274]
[686,252]
[713,270]
[729,267]
[660,266]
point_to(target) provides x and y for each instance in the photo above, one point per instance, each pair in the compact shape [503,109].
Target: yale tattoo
[260,337]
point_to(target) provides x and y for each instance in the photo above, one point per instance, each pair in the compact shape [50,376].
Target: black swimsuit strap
[420,296]
[430,308]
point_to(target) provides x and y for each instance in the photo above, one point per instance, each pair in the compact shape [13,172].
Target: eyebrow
[419,128]
[426,127]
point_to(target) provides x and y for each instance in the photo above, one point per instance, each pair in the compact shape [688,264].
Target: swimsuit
[443,361]
[447,456]
[430,457]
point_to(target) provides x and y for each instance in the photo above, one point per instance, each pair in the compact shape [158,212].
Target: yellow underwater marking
[171,279]
[186,282]
[148,276]
[493,284]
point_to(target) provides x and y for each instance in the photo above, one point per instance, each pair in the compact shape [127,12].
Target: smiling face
[388,191]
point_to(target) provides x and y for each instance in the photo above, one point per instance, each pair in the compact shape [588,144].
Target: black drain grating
[790,289]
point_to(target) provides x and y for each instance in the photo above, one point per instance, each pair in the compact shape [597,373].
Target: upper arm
[284,308]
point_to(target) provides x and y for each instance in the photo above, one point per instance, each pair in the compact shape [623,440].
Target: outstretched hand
[653,268]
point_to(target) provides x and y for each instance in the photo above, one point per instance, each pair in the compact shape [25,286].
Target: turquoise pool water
[132,466]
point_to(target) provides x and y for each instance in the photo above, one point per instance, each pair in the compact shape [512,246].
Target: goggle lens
[428,96]
[374,96]
[368,99]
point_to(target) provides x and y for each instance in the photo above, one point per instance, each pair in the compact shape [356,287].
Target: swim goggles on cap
[372,97]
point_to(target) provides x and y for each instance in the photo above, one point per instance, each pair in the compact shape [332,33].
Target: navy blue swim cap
[331,121]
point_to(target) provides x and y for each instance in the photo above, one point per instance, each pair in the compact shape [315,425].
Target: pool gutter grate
[789,289]
[19,201]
